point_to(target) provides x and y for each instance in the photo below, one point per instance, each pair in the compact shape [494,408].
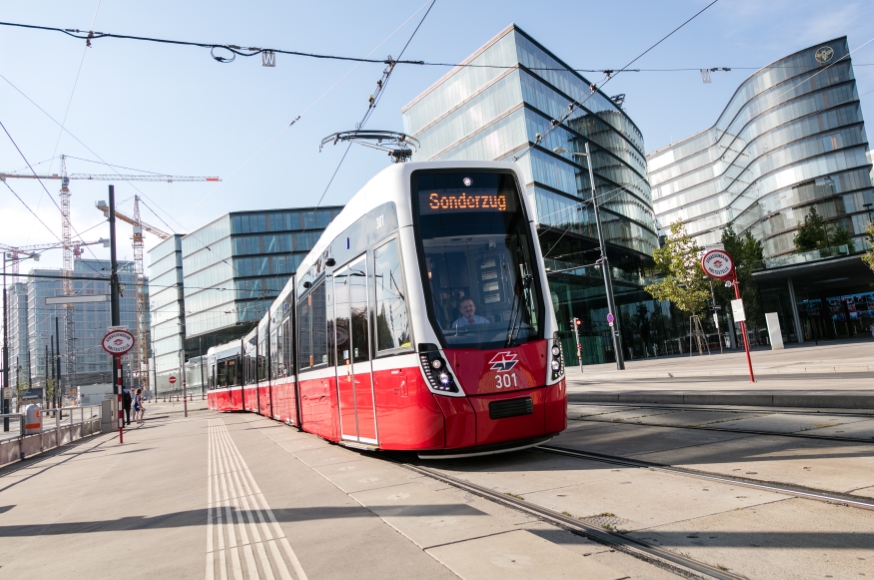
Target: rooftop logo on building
[824,54]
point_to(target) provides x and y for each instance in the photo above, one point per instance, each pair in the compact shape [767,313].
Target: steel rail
[731,408]
[797,435]
[655,555]
[797,491]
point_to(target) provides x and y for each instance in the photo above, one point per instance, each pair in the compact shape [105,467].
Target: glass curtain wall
[504,112]
[791,138]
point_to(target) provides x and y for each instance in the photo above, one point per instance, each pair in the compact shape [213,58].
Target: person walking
[139,411]
[871,328]
[126,400]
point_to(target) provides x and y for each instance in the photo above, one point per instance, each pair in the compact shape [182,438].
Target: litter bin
[32,420]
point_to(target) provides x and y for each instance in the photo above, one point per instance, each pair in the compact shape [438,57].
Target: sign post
[117,342]
[718,264]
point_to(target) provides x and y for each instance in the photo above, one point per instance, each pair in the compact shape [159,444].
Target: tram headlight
[557,364]
[436,371]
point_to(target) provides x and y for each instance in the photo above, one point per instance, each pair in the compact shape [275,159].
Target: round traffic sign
[717,264]
[610,318]
[172,380]
[118,342]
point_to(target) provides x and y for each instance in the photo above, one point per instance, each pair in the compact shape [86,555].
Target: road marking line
[231,475]
[245,494]
[281,565]
[210,554]
[232,488]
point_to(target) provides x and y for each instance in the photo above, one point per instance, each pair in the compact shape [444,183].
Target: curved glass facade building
[499,105]
[791,137]
[494,105]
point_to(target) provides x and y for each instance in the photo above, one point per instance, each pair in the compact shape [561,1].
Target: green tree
[747,253]
[868,256]
[50,390]
[817,234]
[684,283]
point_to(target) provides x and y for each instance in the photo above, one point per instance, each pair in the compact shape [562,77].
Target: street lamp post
[605,265]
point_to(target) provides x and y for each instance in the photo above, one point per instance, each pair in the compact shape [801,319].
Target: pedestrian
[871,328]
[126,400]
[139,411]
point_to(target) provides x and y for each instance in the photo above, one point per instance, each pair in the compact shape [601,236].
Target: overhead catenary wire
[238,50]
[372,103]
[304,112]
[594,88]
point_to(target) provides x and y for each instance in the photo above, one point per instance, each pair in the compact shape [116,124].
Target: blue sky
[175,110]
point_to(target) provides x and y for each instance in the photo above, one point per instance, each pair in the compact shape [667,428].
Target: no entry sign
[172,380]
[118,342]
[718,264]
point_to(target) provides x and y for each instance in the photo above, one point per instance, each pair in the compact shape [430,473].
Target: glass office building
[217,281]
[501,107]
[36,327]
[167,310]
[791,138]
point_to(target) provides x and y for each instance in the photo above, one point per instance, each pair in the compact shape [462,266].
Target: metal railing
[58,426]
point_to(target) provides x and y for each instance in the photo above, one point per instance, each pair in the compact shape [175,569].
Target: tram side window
[262,356]
[275,354]
[392,325]
[287,365]
[358,303]
[304,341]
[222,374]
[234,373]
[319,332]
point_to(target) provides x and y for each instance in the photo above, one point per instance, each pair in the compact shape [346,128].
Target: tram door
[354,385]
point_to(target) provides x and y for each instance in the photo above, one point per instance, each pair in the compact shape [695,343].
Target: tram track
[796,435]
[671,561]
[726,408]
[791,490]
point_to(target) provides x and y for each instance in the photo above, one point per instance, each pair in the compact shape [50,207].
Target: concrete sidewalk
[240,496]
[837,375]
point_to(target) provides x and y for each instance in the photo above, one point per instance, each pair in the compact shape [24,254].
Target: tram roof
[391,184]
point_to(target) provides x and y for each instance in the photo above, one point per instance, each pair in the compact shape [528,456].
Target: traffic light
[578,322]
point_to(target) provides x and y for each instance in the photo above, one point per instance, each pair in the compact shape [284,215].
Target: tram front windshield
[479,269]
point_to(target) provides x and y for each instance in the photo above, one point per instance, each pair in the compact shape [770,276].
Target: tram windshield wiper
[518,314]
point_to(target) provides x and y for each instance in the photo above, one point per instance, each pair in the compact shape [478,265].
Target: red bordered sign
[118,342]
[718,264]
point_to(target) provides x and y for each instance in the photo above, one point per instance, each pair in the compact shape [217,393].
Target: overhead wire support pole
[117,375]
[5,404]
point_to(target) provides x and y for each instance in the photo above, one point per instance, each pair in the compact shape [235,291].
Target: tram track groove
[724,430]
[728,408]
[796,491]
[676,563]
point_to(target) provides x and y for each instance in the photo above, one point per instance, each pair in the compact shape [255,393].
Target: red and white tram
[421,320]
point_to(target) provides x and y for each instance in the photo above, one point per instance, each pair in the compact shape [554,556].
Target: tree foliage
[817,234]
[684,283]
[868,256]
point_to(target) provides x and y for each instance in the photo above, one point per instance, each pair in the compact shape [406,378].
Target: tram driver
[468,315]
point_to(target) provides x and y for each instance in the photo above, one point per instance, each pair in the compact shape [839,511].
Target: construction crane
[139,276]
[69,246]
[18,253]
